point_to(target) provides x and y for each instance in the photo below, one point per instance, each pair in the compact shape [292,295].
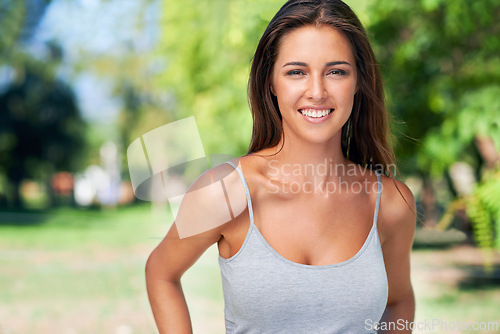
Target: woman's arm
[164,268]
[209,206]
[397,225]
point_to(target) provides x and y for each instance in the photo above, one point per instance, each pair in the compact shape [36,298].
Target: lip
[316,120]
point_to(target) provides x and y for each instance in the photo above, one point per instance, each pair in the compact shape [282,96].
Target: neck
[306,161]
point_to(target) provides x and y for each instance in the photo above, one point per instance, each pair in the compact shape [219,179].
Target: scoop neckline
[315,266]
[276,254]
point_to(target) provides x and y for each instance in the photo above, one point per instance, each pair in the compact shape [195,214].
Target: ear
[272,89]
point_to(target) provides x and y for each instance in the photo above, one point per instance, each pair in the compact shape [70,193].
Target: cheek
[286,94]
[343,93]
[351,89]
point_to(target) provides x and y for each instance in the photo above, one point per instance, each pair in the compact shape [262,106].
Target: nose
[316,89]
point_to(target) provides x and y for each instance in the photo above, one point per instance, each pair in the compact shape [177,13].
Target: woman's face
[314,80]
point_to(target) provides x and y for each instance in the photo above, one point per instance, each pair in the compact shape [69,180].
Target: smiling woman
[314,80]
[322,250]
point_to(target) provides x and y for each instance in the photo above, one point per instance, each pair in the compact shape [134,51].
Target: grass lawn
[452,290]
[82,271]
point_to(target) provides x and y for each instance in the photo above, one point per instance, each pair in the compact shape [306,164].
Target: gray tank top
[265,293]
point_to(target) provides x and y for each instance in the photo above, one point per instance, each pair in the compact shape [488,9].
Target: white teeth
[315,113]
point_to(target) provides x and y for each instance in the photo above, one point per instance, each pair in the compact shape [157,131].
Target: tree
[41,130]
[442,68]
[207,51]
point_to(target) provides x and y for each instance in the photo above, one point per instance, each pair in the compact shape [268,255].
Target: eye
[337,72]
[295,72]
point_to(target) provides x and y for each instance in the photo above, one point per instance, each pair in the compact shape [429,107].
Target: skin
[314,69]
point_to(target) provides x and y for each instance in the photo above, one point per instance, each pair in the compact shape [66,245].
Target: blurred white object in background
[462,176]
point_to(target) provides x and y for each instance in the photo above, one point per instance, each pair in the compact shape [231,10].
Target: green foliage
[476,115]
[18,20]
[208,51]
[11,23]
[484,212]
[440,60]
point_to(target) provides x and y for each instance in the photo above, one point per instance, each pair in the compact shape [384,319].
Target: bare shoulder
[214,199]
[397,215]
[211,202]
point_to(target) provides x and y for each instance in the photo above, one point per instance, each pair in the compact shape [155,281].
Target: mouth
[316,113]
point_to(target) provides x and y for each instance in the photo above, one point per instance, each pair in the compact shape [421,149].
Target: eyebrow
[332,63]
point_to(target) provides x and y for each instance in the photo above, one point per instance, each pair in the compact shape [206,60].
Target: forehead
[322,43]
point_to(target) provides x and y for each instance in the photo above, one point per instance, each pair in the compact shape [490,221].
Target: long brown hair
[365,135]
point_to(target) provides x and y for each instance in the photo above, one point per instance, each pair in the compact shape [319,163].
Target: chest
[314,232]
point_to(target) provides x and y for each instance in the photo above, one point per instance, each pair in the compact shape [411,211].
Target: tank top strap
[247,191]
[377,204]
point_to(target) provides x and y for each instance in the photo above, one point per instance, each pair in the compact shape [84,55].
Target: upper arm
[211,202]
[397,227]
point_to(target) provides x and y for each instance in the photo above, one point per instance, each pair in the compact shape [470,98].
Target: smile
[315,113]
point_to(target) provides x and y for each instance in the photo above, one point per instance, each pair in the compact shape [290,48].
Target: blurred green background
[81,79]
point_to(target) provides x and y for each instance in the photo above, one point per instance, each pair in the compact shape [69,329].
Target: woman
[308,241]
